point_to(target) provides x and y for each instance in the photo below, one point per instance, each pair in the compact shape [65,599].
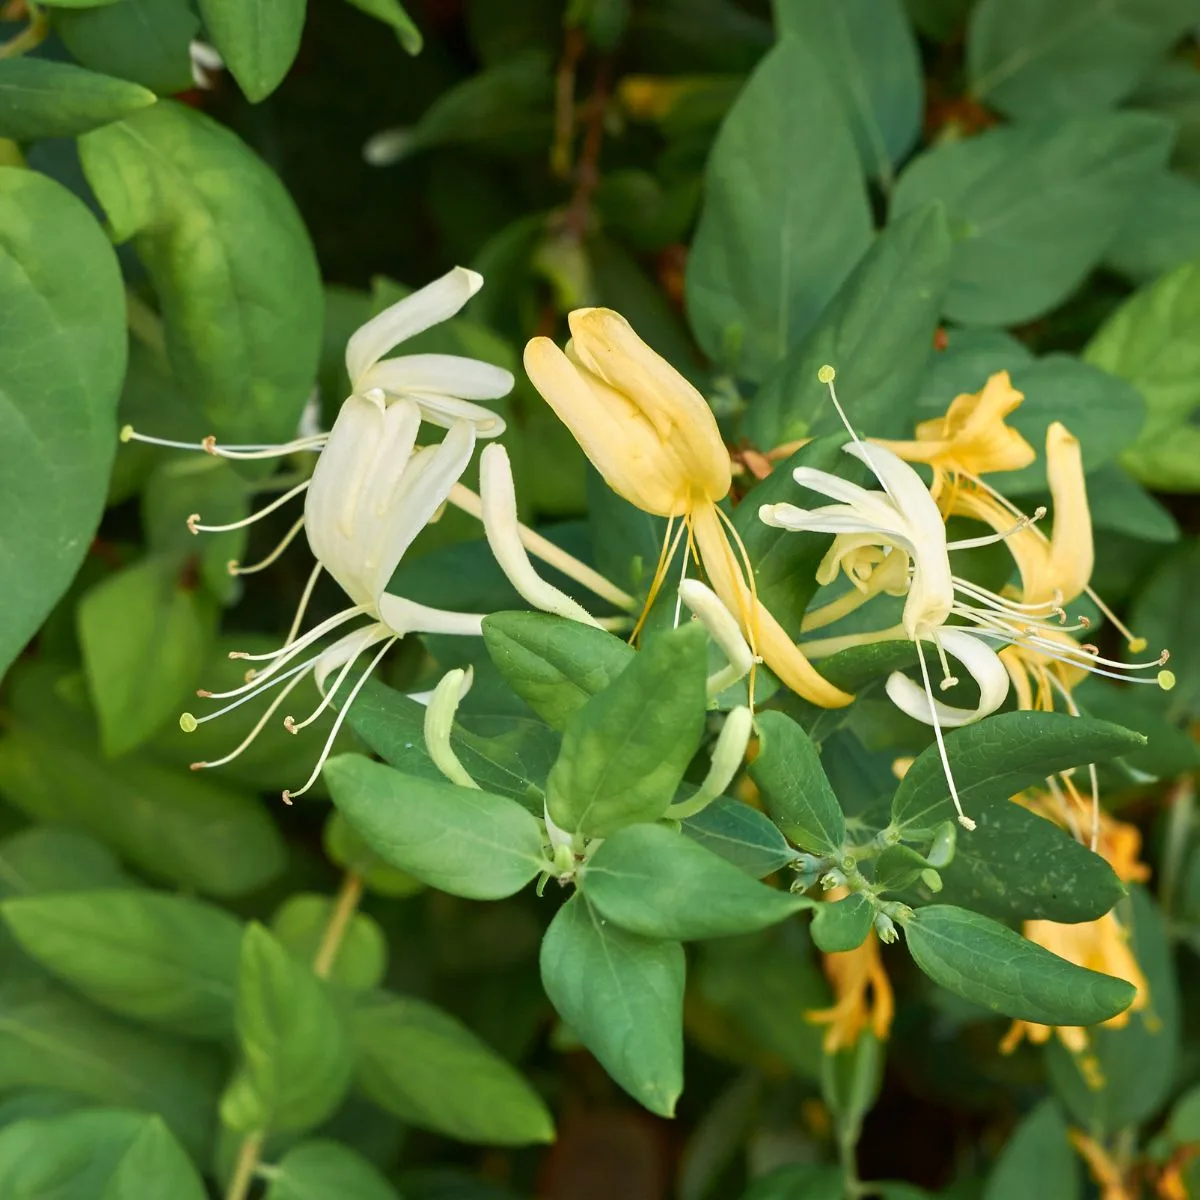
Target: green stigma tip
[1166,680]
[826,374]
[126,433]
[187,723]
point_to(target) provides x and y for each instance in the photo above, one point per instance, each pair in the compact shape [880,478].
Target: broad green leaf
[392,13]
[421,1064]
[987,963]
[999,757]
[461,840]
[1183,1125]
[899,867]
[300,924]
[1038,1163]
[149,614]
[1165,613]
[49,1039]
[1170,750]
[1172,88]
[798,1179]
[231,262]
[325,1170]
[296,1059]
[843,924]
[146,41]
[191,831]
[784,220]
[257,40]
[1147,341]
[873,63]
[164,960]
[787,769]
[656,882]
[877,333]
[742,835]
[1031,59]
[1033,207]
[553,664]
[44,859]
[623,996]
[40,98]
[1133,1068]
[155,1165]
[625,751]
[347,848]
[97,1154]
[61,288]
[1161,232]
[1016,865]
[939,20]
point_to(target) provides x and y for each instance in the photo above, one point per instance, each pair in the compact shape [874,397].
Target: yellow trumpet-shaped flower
[654,439]
[1109,1176]
[862,997]
[972,439]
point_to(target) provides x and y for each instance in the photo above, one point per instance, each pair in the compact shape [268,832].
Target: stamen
[317,631]
[258,728]
[289,796]
[963,819]
[235,568]
[665,557]
[210,445]
[188,722]
[194,526]
[305,596]
[992,538]
[948,679]
[1068,813]
[827,375]
[293,726]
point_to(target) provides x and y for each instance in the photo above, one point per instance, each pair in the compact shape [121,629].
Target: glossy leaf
[1163,231]
[40,98]
[327,1170]
[347,848]
[623,996]
[392,13]
[1039,1162]
[784,219]
[989,964]
[625,751]
[742,835]
[230,259]
[843,924]
[431,1071]
[1033,207]
[877,332]
[996,758]
[462,840]
[60,285]
[257,39]
[656,882]
[296,1061]
[795,790]
[165,960]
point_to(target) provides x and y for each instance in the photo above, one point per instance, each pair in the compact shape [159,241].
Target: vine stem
[345,905]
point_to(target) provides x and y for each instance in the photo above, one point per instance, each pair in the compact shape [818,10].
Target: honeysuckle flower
[654,439]
[1107,1173]
[705,605]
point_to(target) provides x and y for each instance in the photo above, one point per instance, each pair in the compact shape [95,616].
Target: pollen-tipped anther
[193,522]
[203,694]
[209,444]
[289,723]
[287,797]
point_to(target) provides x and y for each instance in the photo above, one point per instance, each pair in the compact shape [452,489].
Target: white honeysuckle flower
[204,59]
[727,757]
[442,385]
[439,723]
[723,628]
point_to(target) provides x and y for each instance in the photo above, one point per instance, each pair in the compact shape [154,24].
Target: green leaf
[1165,613]
[165,960]
[873,63]
[61,288]
[877,332]
[43,859]
[300,924]
[899,867]
[1033,207]
[1147,341]
[553,664]
[323,1170]
[40,98]
[1030,59]
[1038,1163]
[999,757]
[182,828]
[48,1039]
[296,1058]
[102,1154]
[785,216]
[1172,88]
[798,1179]
[230,259]
[741,835]
[1131,1069]
[431,1071]
[1017,866]
[346,848]
[625,751]
[843,924]
[1162,231]
[390,12]
[151,614]
[795,791]
[257,39]
[461,840]
[623,996]
[988,964]
[146,41]
[658,883]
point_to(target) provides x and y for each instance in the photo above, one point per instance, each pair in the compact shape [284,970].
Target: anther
[1164,658]
[287,797]
[204,695]
[1088,648]
[192,522]
[209,444]
[948,682]
[231,567]
[1085,622]
[197,766]
[289,723]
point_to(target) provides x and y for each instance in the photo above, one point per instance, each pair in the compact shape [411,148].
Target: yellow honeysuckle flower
[654,439]
[972,439]
[1102,1167]
[862,997]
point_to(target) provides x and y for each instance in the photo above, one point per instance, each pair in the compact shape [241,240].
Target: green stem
[243,1170]
[28,39]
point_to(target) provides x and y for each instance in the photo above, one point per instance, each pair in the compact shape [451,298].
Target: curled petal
[982,664]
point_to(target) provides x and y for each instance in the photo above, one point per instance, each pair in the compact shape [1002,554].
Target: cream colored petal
[982,664]
[449,375]
[723,629]
[1071,556]
[403,616]
[428,306]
